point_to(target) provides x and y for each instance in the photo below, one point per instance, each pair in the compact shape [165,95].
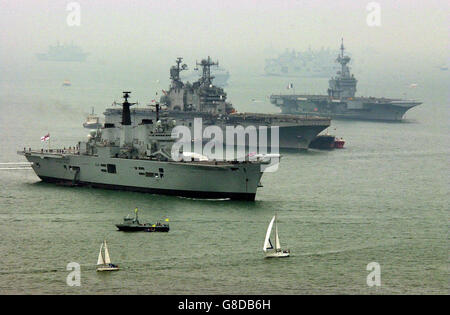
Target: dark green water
[382,199]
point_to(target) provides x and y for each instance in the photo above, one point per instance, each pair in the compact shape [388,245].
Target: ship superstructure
[199,96]
[341,102]
[220,74]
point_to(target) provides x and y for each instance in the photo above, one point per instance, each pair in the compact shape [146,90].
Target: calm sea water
[384,198]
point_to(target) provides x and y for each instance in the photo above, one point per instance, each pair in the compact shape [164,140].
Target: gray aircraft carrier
[202,99]
[140,158]
[341,101]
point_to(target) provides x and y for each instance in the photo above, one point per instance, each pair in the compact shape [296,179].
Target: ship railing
[52,151]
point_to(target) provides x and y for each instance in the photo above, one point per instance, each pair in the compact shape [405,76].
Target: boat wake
[204,199]
[15,166]
[350,249]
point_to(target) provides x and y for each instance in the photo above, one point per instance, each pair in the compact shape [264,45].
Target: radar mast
[175,72]
[206,68]
[126,115]
[343,60]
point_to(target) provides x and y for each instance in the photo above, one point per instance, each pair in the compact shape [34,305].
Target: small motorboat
[66,83]
[269,250]
[339,143]
[131,224]
[104,261]
[327,142]
[323,142]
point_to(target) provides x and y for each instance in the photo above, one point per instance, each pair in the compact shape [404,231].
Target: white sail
[267,243]
[277,239]
[100,260]
[107,259]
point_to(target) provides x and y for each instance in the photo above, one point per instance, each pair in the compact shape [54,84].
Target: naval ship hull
[142,227]
[92,125]
[295,131]
[358,108]
[194,180]
[63,57]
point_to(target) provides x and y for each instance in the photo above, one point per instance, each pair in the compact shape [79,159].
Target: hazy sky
[236,32]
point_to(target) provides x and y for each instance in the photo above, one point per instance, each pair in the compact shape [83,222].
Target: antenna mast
[206,67]
[126,115]
[175,72]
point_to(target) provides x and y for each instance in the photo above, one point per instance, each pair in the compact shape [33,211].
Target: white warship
[308,63]
[92,121]
[63,53]
[139,158]
[202,99]
[341,101]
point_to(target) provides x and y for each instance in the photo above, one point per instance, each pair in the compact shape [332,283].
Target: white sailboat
[104,261]
[268,248]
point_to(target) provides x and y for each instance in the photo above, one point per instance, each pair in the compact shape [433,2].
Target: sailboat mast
[107,258]
[277,239]
[276,234]
[104,252]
